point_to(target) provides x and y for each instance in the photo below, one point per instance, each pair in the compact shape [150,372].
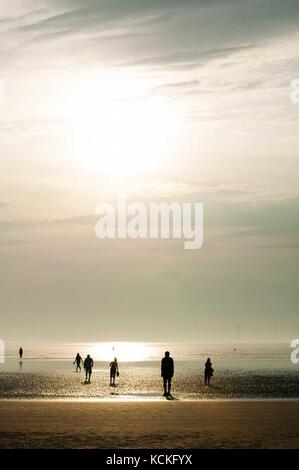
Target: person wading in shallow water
[88,365]
[21,352]
[208,371]
[167,371]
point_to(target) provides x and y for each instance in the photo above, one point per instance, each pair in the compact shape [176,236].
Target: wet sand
[165,424]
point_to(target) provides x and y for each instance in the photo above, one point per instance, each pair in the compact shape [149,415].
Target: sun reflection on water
[125,351]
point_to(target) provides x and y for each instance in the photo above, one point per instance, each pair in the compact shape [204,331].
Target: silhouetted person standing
[88,365]
[208,371]
[167,371]
[78,360]
[21,352]
[113,371]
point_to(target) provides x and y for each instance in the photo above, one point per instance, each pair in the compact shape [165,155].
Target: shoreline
[158,399]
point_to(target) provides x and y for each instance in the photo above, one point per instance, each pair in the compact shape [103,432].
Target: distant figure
[78,360]
[113,372]
[167,371]
[21,352]
[88,365]
[208,371]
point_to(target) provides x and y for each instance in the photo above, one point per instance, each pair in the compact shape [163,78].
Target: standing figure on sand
[78,360]
[167,371]
[88,365]
[21,352]
[113,372]
[208,371]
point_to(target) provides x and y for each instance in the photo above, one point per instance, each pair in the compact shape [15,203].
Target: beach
[157,424]
[252,402]
[252,371]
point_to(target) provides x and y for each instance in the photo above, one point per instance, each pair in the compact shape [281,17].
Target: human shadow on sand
[216,387]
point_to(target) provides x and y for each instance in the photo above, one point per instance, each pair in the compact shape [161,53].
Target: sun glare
[124,351]
[123,136]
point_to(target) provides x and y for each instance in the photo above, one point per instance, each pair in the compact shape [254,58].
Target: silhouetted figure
[78,360]
[113,372]
[88,365]
[167,371]
[21,352]
[208,371]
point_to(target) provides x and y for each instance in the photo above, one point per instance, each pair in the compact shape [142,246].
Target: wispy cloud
[12,242]
[5,203]
[224,210]
[171,29]
[188,59]
[178,85]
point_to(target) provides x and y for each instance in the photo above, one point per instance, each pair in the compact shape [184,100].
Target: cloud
[178,85]
[270,219]
[10,131]
[191,58]
[170,28]
[5,203]
[236,212]
[12,242]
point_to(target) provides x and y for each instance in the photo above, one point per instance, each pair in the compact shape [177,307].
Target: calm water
[250,371]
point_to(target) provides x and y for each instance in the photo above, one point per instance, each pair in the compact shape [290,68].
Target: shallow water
[255,372]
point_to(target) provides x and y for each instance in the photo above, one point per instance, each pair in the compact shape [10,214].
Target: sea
[241,371]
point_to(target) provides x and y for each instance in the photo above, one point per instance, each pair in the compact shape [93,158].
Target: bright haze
[164,101]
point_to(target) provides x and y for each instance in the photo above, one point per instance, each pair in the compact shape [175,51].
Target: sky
[161,101]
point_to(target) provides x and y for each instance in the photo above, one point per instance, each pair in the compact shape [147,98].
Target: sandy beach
[169,424]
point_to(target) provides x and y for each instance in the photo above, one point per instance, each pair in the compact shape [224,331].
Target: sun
[124,136]
[124,351]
